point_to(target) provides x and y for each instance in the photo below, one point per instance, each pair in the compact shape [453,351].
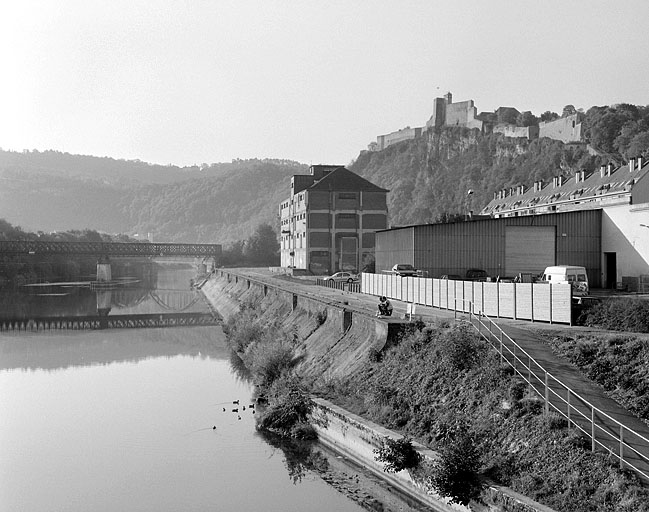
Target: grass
[444,387]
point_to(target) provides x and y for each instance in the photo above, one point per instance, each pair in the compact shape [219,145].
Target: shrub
[397,454]
[532,406]
[455,474]
[626,314]
[288,414]
[517,391]
[268,360]
[460,348]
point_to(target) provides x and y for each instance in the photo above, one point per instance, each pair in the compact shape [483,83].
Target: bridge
[109,248]
[110,322]
[104,250]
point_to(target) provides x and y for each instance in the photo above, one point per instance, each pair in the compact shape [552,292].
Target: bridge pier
[103,269]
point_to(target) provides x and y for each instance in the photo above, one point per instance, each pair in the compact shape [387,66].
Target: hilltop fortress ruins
[465,114]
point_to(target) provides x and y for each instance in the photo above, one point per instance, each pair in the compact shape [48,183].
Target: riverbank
[335,340]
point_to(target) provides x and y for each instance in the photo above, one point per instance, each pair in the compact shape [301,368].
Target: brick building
[328,222]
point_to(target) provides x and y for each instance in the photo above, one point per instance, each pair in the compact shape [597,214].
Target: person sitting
[385,308]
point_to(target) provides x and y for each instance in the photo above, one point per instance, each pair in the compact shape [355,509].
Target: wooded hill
[429,180]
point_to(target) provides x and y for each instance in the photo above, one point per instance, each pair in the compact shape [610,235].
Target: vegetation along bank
[436,384]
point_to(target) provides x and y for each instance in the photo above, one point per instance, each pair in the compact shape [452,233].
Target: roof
[581,188]
[343,179]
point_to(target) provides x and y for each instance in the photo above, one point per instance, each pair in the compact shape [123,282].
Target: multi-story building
[328,222]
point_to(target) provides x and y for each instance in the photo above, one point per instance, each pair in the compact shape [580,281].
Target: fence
[521,301]
[339,285]
[626,445]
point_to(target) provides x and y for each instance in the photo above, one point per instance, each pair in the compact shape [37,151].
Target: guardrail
[340,285]
[618,440]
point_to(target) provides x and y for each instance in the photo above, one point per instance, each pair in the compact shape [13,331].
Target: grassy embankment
[444,387]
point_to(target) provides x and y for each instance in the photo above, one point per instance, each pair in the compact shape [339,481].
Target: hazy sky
[193,81]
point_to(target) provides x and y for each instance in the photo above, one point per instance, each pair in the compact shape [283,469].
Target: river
[139,419]
[146,420]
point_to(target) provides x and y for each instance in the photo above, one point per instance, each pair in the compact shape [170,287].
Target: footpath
[523,333]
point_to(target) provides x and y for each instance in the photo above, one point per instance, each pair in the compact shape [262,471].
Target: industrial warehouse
[599,221]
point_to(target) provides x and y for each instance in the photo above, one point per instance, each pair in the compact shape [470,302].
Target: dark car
[476,274]
[404,270]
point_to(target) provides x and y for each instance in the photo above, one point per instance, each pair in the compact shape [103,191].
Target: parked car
[342,277]
[476,274]
[404,270]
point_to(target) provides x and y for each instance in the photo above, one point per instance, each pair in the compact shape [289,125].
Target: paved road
[523,333]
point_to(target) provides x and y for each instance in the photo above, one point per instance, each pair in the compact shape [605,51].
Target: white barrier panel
[478,302]
[562,303]
[525,301]
[428,283]
[410,285]
[490,292]
[542,303]
[507,300]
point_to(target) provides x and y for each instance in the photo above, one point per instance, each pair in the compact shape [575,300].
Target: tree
[639,145]
[549,116]
[527,119]
[568,110]
[262,248]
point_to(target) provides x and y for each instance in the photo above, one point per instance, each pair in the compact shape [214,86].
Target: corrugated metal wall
[392,247]
[453,248]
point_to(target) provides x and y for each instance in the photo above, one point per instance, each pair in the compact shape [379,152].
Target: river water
[139,419]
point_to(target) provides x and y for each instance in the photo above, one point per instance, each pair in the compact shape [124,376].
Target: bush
[288,415]
[460,348]
[397,454]
[455,474]
[631,315]
[268,360]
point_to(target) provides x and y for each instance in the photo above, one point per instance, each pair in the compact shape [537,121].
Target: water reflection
[153,292]
[64,349]
[300,457]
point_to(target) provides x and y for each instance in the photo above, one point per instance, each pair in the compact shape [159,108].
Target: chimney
[577,177]
[602,171]
[631,164]
[495,195]
[639,160]
[609,168]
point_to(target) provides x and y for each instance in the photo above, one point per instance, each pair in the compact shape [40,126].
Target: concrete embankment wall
[335,343]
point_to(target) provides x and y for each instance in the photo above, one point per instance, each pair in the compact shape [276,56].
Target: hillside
[52,191]
[430,178]
[429,181]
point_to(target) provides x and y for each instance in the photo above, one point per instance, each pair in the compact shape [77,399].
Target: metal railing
[340,285]
[618,440]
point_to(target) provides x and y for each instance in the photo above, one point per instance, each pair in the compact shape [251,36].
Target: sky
[189,82]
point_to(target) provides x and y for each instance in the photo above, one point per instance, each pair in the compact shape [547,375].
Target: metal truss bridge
[111,322]
[109,248]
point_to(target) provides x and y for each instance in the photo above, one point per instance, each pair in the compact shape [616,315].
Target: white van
[574,275]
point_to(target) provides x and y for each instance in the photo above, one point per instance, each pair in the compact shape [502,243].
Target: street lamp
[644,226]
